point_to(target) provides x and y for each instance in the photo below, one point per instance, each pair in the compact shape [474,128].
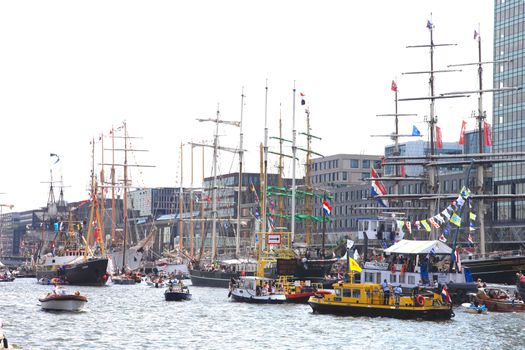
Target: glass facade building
[508,106]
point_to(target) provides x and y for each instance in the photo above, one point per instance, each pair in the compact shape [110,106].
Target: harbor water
[137,317]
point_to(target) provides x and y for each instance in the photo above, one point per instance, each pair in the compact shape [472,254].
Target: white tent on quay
[406,246]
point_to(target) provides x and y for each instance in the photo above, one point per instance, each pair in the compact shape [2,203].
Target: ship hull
[216,279]
[314,270]
[496,270]
[89,273]
[63,302]
[365,310]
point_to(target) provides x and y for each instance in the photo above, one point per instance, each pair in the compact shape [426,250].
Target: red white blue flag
[378,189]
[445,295]
[457,259]
[327,208]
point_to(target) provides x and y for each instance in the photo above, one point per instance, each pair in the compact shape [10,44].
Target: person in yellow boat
[397,294]
[386,292]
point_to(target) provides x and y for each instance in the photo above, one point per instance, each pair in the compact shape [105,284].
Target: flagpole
[396,144]
[241,153]
[324,233]
[480,170]
[265,161]
[294,151]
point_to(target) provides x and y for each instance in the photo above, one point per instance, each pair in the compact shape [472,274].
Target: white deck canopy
[406,246]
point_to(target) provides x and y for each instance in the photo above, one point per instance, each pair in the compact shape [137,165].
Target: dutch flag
[445,295]
[326,208]
[378,189]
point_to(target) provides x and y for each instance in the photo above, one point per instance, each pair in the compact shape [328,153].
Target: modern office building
[509,106]
[421,148]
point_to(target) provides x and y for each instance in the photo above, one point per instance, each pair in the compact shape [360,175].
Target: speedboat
[177,293]
[472,308]
[6,277]
[123,279]
[155,282]
[61,301]
[497,299]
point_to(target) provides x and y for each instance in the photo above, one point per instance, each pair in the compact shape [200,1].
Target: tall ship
[124,254]
[70,257]
[462,219]
[219,272]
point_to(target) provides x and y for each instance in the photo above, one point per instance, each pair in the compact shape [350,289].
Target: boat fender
[420,300]
[452,314]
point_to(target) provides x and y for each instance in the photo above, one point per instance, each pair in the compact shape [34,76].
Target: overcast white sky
[69,70]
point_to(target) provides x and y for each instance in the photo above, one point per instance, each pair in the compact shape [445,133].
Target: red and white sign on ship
[274,238]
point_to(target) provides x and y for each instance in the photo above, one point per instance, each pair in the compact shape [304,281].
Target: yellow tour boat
[367,299]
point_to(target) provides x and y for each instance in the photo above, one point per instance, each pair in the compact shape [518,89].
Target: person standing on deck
[386,292]
[397,294]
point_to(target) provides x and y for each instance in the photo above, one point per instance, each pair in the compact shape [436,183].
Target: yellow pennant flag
[354,266]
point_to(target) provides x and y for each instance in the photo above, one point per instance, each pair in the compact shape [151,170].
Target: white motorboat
[63,301]
[258,290]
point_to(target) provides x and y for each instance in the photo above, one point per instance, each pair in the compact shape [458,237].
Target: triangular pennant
[442,238]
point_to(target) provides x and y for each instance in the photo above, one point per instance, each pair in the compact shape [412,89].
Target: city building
[508,120]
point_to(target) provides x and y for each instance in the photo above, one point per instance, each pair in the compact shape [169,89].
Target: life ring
[420,300]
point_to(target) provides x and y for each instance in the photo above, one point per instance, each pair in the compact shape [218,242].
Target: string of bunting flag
[446,219]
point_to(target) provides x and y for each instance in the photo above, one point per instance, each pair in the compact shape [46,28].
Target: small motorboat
[156,283]
[6,276]
[177,293]
[498,299]
[472,308]
[257,290]
[59,300]
[123,279]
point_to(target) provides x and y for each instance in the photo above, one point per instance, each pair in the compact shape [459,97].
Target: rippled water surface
[137,317]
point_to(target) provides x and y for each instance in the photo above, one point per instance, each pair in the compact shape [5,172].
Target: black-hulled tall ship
[71,261]
[69,257]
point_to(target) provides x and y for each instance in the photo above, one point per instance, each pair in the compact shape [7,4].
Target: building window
[344,175]
[354,163]
[366,163]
